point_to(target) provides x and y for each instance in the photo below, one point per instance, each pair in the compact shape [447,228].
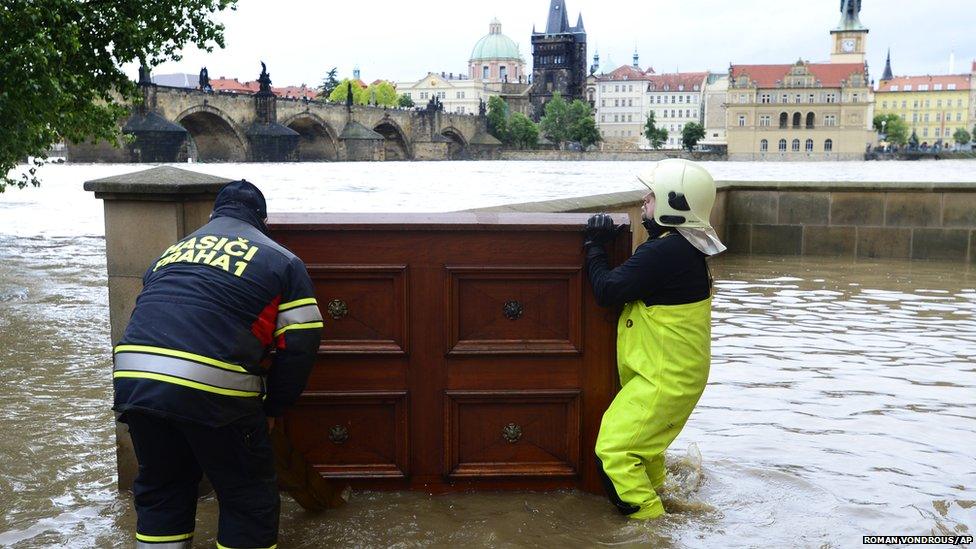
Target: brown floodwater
[841,403]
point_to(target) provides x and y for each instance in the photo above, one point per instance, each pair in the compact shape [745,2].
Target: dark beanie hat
[245,194]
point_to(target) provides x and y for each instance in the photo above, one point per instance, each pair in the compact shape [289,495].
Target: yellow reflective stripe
[297,303]
[184,382]
[180,354]
[219,546]
[303,326]
[160,539]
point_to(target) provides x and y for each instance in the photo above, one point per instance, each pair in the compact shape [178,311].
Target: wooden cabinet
[460,351]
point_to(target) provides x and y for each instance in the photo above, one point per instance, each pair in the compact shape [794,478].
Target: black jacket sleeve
[297,341]
[636,278]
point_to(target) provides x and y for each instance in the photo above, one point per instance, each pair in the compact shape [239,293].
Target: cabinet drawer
[514,310]
[512,433]
[356,434]
[364,308]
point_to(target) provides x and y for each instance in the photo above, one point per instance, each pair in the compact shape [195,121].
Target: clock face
[848,45]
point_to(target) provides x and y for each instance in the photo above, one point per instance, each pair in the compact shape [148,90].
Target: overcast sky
[300,40]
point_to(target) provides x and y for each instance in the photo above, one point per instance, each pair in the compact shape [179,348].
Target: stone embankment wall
[832,219]
[645,156]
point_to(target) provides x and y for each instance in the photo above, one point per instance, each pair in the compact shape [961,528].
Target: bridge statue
[850,8]
[264,80]
[205,80]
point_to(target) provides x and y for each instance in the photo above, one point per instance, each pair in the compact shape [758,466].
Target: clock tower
[850,38]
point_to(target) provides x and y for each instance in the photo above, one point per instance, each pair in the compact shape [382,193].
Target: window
[796,145]
[937,87]
[923,87]
[688,99]
[783,120]
[681,99]
[950,86]
[810,120]
[796,119]
[958,117]
[688,113]
[616,102]
[782,145]
[742,98]
[503,73]
[854,97]
[764,120]
[810,98]
[616,88]
[784,98]
[938,133]
[809,145]
[763,145]
[938,117]
[603,102]
[904,104]
[616,118]
[603,118]
[630,102]
[831,98]
[926,117]
[925,132]
[764,98]
[908,87]
[484,72]
[884,104]
[672,113]
[830,120]
[796,98]
[828,145]
[928,103]
[894,88]
[603,88]
[959,102]
[630,88]
[742,120]
[630,118]
[915,117]
[938,103]
[915,104]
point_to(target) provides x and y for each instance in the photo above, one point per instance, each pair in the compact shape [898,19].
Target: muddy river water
[841,402]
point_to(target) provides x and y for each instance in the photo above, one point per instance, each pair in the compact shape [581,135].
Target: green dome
[495,45]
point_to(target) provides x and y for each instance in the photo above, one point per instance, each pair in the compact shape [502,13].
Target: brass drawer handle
[513,309]
[337,309]
[512,433]
[338,434]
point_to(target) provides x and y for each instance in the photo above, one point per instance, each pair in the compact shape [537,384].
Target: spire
[887,71]
[636,59]
[558,22]
[850,11]
[495,27]
[579,23]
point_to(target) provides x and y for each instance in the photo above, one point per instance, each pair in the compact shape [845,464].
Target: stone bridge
[176,124]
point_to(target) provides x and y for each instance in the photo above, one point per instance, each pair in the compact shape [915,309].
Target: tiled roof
[233,85]
[830,75]
[677,81]
[626,72]
[961,81]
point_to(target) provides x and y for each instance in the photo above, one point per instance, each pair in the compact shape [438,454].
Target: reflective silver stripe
[187,369]
[185,544]
[299,315]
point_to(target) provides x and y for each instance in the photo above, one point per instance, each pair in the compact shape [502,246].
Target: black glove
[599,230]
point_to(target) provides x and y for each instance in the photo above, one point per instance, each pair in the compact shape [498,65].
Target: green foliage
[962,137]
[405,101]
[522,132]
[894,127]
[582,124]
[359,94]
[656,136]
[382,93]
[329,84]
[498,118]
[60,76]
[691,134]
[555,121]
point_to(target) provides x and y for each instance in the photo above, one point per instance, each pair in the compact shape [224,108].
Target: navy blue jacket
[212,308]
[664,270]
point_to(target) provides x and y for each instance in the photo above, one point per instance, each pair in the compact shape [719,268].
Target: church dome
[495,45]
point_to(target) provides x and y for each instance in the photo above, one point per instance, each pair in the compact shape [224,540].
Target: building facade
[715,98]
[558,59]
[619,101]
[805,111]
[676,99]
[933,107]
[456,92]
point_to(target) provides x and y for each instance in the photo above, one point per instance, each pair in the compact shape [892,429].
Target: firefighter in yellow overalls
[664,331]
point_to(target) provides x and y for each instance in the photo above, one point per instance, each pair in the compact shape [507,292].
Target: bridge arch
[214,136]
[396,145]
[318,141]
[458,145]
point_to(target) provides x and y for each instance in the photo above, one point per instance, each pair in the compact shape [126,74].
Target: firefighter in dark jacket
[663,334]
[192,380]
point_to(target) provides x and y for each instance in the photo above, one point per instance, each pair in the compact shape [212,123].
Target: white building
[619,99]
[676,99]
[716,97]
[457,93]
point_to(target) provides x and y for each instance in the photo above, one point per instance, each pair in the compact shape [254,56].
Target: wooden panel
[514,310]
[375,298]
[512,433]
[355,434]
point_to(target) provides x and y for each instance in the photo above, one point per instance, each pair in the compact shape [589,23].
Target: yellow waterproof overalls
[663,356]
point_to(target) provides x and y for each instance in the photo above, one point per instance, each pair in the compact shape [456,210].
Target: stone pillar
[145,212]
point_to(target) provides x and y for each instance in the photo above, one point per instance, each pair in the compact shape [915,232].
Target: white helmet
[684,193]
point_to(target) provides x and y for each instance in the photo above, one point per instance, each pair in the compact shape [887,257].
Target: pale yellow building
[933,106]
[805,111]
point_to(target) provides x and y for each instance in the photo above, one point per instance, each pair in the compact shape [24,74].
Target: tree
[329,83]
[498,118]
[555,122]
[382,93]
[962,136]
[691,134]
[359,95]
[582,125]
[405,101]
[893,126]
[60,67]
[522,132]
[655,136]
